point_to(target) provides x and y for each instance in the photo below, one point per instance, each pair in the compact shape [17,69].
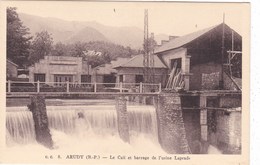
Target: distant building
[106,73]
[132,71]
[60,69]
[199,56]
[11,69]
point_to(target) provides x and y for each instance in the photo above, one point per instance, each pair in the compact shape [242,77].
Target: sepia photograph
[125,82]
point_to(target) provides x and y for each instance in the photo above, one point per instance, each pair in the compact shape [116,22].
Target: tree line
[24,49]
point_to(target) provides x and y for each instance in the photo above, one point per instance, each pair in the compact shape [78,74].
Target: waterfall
[98,120]
[142,119]
[20,126]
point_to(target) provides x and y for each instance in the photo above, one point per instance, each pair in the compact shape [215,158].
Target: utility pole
[148,60]
[222,52]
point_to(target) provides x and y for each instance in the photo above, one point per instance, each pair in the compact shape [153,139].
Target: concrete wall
[191,120]
[59,65]
[174,54]
[211,76]
[11,69]
[227,133]
[230,101]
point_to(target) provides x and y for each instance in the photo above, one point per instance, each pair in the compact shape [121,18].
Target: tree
[18,39]
[41,46]
[60,49]
[77,49]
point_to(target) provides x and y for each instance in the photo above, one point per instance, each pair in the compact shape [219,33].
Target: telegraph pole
[222,52]
[148,61]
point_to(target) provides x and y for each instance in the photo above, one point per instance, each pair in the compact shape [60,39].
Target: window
[110,80]
[63,78]
[139,78]
[85,78]
[121,78]
[177,61]
[39,77]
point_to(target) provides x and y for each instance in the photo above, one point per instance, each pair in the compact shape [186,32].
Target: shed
[132,71]
[199,56]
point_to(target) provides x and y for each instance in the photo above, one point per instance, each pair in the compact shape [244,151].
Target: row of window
[61,78]
[84,78]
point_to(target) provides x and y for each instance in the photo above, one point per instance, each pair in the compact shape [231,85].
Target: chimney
[173,37]
[152,35]
[157,46]
[164,41]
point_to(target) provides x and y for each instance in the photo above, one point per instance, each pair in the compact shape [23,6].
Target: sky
[164,17]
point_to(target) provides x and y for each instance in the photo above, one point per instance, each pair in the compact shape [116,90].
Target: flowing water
[87,127]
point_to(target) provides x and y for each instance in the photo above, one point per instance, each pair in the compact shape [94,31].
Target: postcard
[125,82]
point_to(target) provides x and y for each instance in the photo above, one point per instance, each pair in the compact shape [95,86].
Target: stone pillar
[203,118]
[171,130]
[38,109]
[122,118]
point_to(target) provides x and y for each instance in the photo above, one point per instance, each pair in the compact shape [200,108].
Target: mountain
[71,31]
[85,35]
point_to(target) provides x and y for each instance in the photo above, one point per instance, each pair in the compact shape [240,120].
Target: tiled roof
[9,61]
[180,41]
[137,62]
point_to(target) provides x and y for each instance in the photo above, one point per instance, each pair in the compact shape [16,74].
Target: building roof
[11,62]
[183,40]
[109,68]
[137,62]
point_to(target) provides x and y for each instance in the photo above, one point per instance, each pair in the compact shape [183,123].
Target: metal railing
[73,87]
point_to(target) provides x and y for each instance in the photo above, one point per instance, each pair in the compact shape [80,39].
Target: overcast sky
[164,17]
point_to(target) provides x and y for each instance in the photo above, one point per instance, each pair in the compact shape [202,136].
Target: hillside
[68,31]
[72,31]
[87,34]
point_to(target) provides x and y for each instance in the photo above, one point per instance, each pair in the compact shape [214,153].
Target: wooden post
[160,87]
[42,132]
[9,86]
[95,87]
[120,87]
[38,86]
[68,87]
[141,87]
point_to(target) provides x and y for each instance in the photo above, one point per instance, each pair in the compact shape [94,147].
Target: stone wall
[210,81]
[122,118]
[171,130]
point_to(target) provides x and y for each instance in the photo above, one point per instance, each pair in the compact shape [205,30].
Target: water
[86,128]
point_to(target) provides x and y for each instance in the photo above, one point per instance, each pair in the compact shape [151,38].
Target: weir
[100,121]
[180,122]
